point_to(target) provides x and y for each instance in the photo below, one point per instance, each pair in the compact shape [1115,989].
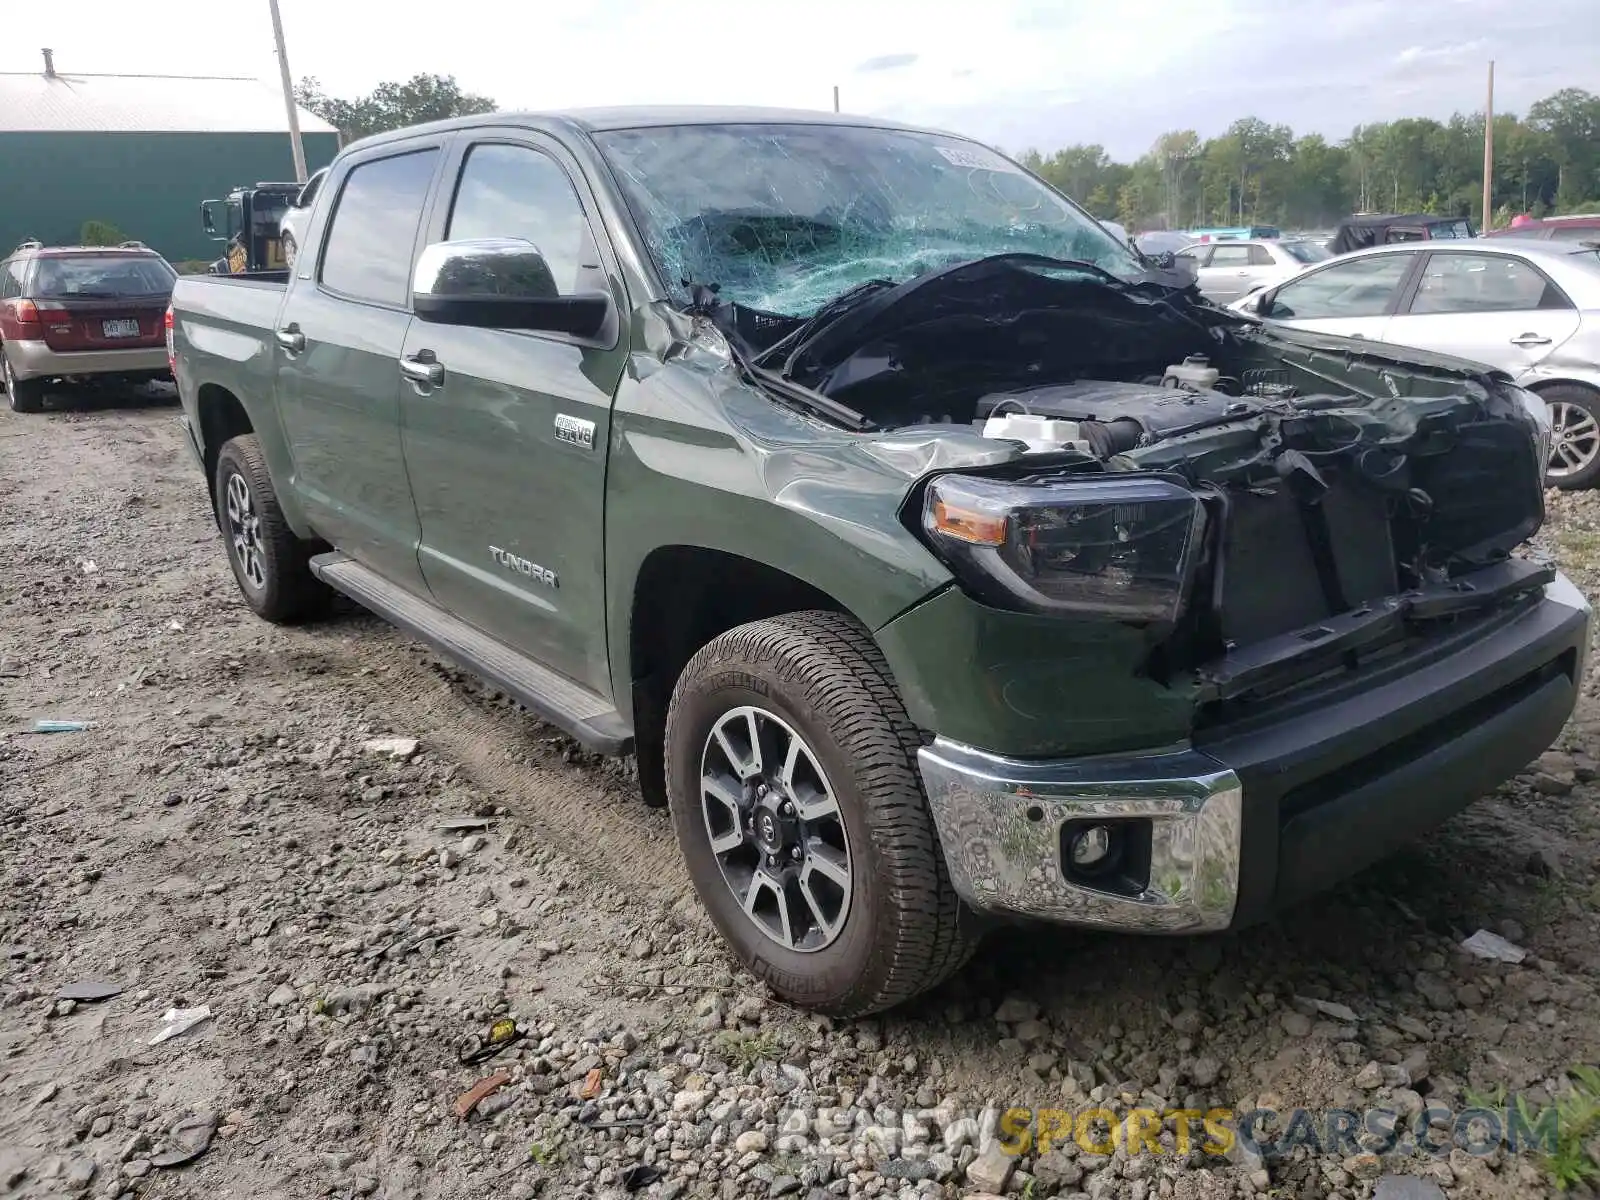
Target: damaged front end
[1263,509]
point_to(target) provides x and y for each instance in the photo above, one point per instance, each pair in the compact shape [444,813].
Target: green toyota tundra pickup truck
[941,560]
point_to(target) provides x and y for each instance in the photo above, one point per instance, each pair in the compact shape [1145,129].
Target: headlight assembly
[1123,547]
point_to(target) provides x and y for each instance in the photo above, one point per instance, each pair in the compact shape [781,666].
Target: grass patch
[745,1050]
[1570,1162]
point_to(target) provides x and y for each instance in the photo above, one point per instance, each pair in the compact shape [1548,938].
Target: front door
[338,346]
[507,450]
[1351,297]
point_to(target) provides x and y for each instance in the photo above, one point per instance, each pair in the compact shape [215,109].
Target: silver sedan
[1530,308]
[1230,268]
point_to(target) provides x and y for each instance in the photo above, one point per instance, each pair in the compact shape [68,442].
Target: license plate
[120,329]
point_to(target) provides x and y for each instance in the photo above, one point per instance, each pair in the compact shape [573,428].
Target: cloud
[888,62]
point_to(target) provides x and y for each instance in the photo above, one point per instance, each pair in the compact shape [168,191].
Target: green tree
[392,105]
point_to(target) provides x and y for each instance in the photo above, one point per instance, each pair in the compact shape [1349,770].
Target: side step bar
[569,706]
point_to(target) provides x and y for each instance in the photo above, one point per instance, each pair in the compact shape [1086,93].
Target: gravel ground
[354,916]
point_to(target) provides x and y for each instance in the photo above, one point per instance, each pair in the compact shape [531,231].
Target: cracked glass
[784,218]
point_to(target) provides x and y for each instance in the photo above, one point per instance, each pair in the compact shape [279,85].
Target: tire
[290,249]
[24,395]
[1574,411]
[270,564]
[902,929]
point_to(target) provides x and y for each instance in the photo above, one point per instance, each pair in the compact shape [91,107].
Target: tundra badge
[524,566]
[575,432]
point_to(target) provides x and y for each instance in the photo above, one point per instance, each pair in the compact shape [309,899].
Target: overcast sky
[1016,73]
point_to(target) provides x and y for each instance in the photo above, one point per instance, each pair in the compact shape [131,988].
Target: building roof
[68,103]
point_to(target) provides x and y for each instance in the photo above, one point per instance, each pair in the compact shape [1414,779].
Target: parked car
[1162,241]
[291,228]
[1579,227]
[1382,229]
[73,313]
[1529,308]
[770,447]
[1227,270]
[1234,233]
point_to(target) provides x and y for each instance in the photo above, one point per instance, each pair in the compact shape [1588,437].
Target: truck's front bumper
[1222,833]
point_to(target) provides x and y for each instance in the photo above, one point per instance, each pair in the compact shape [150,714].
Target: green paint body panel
[1030,686]
[148,185]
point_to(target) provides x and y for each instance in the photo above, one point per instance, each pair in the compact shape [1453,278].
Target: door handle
[423,369]
[291,339]
[1530,339]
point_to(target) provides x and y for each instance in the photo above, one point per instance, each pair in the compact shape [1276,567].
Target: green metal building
[139,152]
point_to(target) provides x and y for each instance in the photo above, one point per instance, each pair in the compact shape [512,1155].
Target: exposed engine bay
[1267,505]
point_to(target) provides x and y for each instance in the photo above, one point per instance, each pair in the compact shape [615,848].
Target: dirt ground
[222,836]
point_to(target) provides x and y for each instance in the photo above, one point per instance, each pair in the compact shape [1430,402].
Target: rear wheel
[1575,440]
[24,395]
[269,562]
[795,796]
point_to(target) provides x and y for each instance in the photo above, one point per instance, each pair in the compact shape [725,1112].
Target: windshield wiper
[705,304]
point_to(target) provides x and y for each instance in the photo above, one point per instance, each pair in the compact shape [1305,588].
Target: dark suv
[74,312]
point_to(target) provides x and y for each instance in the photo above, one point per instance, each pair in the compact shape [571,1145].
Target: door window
[1231,256]
[1198,255]
[375,227]
[1362,287]
[511,191]
[1482,283]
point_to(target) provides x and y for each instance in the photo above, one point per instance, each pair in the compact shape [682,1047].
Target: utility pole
[836,97]
[1488,152]
[295,144]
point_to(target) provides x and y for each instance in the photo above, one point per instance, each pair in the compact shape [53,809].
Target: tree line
[1253,173]
[1257,173]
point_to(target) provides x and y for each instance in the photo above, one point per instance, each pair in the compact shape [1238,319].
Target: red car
[74,312]
[1580,227]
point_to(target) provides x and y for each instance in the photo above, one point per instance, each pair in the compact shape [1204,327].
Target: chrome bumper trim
[1000,819]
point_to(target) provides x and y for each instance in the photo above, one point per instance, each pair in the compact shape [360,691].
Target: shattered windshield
[784,218]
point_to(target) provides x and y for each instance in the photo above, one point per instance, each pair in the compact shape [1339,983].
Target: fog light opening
[1093,848]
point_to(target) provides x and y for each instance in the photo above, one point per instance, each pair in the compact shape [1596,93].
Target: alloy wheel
[1575,439]
[244,531]
[775,828]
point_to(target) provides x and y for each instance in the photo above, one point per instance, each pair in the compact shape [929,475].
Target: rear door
[107,301]
[1352,297]
[1492,308]
[507,453]
[338,344]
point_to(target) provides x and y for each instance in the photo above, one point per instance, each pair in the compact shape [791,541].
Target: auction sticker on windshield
[976,159]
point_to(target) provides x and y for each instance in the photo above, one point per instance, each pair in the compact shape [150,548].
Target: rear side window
[370,243]
[100,277]
[1483,283]
[11,280]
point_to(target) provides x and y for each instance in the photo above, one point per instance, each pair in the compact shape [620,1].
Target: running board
[569,706]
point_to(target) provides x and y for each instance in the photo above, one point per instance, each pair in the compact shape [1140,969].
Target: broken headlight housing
[1124,547]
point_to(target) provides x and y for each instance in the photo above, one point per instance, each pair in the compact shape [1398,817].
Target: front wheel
[1575,437]
[795,796]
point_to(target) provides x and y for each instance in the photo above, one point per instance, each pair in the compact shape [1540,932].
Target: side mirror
[206,218]
[502,283]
